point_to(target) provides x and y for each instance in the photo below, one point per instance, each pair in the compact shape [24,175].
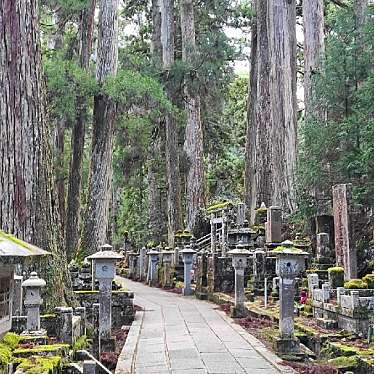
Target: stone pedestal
[273,225]
[187,255]
[105,312]
[167,268]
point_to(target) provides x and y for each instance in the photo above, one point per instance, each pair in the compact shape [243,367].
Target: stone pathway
[187,336]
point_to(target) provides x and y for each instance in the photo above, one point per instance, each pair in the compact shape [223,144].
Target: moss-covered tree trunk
[100,181]
[193,145]
[73,210]
[28,204]
[174,213]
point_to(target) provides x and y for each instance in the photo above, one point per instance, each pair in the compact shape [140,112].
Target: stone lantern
[239,262]
[187,256]
[33,300]
[104,263]
[290,263]
[141,266]
[154,256]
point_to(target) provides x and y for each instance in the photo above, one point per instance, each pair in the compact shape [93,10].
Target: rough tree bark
[100,180]
[282,47]
[73,210]
[258,180]
[171,147]
[314,49]
[28,204]
[156,201]
[193,145]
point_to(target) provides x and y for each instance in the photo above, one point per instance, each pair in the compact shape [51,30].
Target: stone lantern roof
[105,255]
[34,281]
[153,251]
[11,246]
[287,248]
[187,251]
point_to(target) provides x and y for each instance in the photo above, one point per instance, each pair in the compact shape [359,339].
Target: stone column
[239,262]
[33,301]
[168,270]
[81,312]
[259,267]
[105,311]
[273,225]
[89,367]
[346,252]
[176,256]
[187,255]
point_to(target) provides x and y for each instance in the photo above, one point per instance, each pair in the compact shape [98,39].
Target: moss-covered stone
[44,350]
[40,365]
[218,206]
[344,363]
[335,269]
[11,340]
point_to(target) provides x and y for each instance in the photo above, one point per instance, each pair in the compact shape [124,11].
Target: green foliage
[355,284]
[340,149]
[369,279]
[40,365]
[11,340]
[336,269]
[81,343]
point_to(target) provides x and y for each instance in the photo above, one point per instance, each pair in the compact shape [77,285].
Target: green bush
[336,269]
[355,284]
[369,279]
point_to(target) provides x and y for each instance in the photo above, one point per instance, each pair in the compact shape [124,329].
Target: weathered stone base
[328,324]
[201,295]
[240,312]
[287,346]
[108,345]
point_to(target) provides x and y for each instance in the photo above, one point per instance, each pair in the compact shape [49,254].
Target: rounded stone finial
[287,244]
[34,281]
[263,205]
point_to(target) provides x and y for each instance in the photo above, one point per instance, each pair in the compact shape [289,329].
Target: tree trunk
[156,203]
[100,181]
[252,128]
[282,45]
[314,49]
[28,206]
[171,147]
[73,212]
[258,162]
[193,145]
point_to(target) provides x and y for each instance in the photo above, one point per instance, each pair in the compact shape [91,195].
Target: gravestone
[345,249]
[273,225]
[153,256]
[187,255]
[324,253]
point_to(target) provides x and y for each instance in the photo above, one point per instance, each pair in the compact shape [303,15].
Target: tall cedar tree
[100,181]
[171,149]
[73,211]
[193,145]
[28,205]
[258,166]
